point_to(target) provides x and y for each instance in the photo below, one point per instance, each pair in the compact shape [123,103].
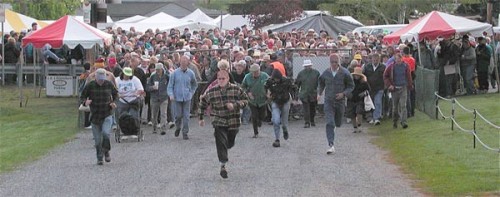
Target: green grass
[29,132]
[443,162]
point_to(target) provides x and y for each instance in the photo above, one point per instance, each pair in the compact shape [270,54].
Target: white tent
[197,16]
[349,19]
[191,26]
[161,17]
[132,19]
[157,21]
[231,21]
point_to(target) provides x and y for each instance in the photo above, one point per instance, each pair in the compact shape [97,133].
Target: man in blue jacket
[181,87]
[337,84]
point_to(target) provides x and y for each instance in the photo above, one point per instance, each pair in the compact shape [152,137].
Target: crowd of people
[245,76]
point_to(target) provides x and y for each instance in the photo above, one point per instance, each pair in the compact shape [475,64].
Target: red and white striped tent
[437,24]
[68,31]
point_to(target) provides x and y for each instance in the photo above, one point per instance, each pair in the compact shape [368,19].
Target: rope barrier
[461,106]
[473,132]
[442,115]
[493,125]
[484,145]
[464,130]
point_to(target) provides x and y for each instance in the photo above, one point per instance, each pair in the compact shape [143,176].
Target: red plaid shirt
[218,97]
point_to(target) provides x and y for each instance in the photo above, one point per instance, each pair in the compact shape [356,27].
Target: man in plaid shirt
[100,95]
[226,100]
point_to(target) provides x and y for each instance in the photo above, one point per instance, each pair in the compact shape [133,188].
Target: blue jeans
[468,78]
[47,53]
[101,136]
[334,111]
[377,101]
[245,115]
[280,116]
[181,111]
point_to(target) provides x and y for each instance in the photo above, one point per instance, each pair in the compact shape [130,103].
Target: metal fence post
[474,128]
[452,113]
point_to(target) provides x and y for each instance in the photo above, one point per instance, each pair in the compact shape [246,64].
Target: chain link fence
[426,84]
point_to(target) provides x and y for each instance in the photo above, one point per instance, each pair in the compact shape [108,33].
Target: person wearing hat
[467,65]
[129,89]
[226,100]
[336,84]
[307,83]
[157,88]
[355,104]
[483,56]
[99,63]
[253,84]
[100,95]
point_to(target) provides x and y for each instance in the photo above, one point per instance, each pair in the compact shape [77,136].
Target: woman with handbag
[356,103]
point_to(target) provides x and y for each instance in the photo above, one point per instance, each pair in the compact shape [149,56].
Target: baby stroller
[128,118]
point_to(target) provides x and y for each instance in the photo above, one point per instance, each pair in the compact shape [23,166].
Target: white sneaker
[371,121]
[377,122]
[331,150]
[171,125]
[115,127]
[348,120]
[89,127]
[124,137]
[158,126]
[150,123]
[134,136]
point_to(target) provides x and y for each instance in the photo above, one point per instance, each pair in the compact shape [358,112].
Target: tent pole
[34,73]
[419,52]
[220,29]
[20,80]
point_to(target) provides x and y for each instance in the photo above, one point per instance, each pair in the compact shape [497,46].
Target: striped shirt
[218,97]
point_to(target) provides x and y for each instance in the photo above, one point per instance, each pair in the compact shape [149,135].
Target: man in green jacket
[307,82]
[253,85]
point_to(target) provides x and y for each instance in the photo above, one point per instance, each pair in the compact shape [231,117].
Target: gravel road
[170,166]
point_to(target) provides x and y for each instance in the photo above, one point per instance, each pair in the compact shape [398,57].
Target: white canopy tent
[191,26]
[132,19]
[197,16]
[231,21]
[157,21]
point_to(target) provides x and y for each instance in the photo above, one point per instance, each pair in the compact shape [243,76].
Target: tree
[266,12]
[45,9]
